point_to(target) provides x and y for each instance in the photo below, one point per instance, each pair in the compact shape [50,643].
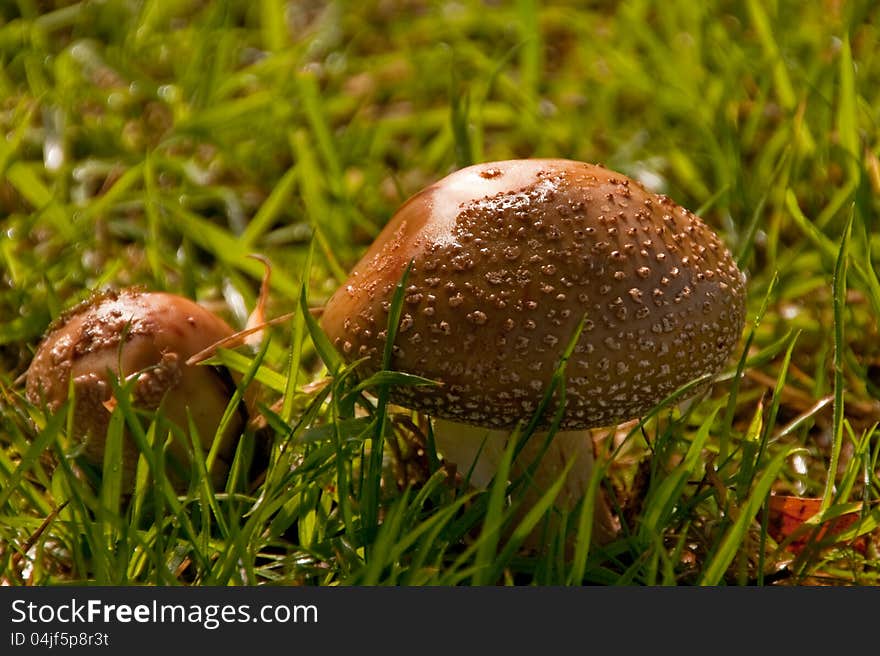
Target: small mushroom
[147,336]
[507,259]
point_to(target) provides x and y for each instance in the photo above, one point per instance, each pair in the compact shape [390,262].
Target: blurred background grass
[160,143]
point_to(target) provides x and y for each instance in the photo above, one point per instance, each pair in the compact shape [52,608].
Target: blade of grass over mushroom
[142,486]
[526,526]
[388,378]
[838,302]
[202,481]
[431,449]
[557,383]
[679,394]
[585,522]
[343,474]
[111,476]
[373,477]
[328,354]
[486,544]
[235,404]
[163,484]
[394,312]
[555,387]
[468,475]
[356,426]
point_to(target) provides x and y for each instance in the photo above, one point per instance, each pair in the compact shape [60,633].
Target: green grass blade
[664,499]
[838,286]
[732,541]
[327,352]
[534,514]
[495,517]
[295,353]
[111,476]
[49,434]
[373,480]
[270,209]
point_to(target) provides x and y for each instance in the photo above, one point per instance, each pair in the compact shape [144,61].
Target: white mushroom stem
[477,452]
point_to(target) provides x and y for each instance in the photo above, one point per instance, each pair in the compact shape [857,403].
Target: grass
[161,144]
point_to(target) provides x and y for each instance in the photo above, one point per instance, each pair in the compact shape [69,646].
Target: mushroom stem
[476,452]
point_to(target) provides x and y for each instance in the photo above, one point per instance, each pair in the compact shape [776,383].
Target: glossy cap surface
[507,259]
[134,333]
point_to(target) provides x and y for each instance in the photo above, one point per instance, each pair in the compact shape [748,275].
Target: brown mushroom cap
[150,334]
[507,259]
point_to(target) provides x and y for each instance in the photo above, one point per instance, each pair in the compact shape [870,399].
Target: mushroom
[147,336]
[507,259]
